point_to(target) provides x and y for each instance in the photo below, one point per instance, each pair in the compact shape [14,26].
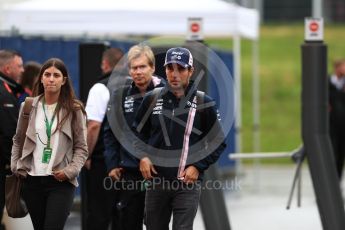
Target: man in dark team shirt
[184,137]
[122,165]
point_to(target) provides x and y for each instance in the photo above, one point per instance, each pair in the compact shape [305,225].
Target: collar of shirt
[15,88]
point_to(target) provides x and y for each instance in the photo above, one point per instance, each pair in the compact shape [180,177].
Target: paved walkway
[259,202]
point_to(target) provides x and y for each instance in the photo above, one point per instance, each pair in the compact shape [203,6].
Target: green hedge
[280,82]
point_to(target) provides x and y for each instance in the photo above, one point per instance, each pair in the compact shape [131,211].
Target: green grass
[280,82]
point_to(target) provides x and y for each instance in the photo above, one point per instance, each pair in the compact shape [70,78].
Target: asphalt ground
[256,199]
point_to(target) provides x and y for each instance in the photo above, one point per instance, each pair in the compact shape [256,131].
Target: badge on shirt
[47,153]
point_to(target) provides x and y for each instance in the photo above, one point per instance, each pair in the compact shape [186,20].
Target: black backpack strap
[156,92]
[200,97]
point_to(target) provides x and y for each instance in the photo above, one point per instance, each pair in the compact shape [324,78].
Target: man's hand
[87,164]
[115,173]
[146,168]
[190,174]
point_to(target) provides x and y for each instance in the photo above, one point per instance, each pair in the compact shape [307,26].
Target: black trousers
[175,199]
[49,201]
[130,201]
[3,173]
[337,136]
[99,201]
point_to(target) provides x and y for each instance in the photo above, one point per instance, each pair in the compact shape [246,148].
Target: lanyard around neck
[48,124]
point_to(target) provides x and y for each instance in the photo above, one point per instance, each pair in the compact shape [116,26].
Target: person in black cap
[183,138]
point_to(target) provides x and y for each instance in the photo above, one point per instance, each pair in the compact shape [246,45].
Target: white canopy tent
[136,17]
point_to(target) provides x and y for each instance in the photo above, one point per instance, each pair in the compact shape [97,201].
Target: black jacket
[117,154]
[9,109]
[164,130]
[336,108]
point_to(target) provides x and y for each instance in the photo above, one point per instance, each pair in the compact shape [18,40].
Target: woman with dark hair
[28,79]
[30,75]
[55,148]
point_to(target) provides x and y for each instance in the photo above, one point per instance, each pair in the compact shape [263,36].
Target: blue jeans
[174,198]
[49,201]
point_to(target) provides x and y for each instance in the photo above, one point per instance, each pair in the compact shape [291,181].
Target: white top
[38,168]
[97,102]
[339,83]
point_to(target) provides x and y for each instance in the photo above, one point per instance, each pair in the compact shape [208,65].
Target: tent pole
[317,8]
[256,89]
[256,101]
[238,97]
[256,109]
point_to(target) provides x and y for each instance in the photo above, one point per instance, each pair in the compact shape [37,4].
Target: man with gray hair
[11,69]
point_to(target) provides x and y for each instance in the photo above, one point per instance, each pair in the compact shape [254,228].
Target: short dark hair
[338,63]
[113,56]
[7,55]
